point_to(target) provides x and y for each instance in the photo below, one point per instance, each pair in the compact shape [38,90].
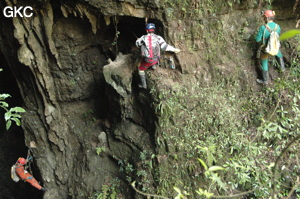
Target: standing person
[263,36]
[150,45]
[25,176]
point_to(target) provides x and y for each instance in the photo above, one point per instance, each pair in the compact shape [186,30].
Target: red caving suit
[25,176]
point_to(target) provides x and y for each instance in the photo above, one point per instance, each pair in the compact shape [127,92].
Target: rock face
[75,66]
[75,104]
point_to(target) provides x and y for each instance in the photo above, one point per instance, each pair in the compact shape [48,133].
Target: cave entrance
[12,143]
[128,29]
[120,37]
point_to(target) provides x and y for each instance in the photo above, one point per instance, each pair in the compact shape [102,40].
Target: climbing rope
[30,166]
[29,159]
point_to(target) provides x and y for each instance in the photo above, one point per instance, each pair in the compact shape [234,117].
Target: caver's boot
[143,80]
[154,66]
[265,78]
[281,62]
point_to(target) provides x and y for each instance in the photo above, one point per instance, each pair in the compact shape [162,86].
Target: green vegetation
[244,144]
[108,191]
[289,34]
[11,114]
[218,141]
[182,9]
[101,149]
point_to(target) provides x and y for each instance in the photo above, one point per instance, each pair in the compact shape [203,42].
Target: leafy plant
[242,132]
[101,149]
[289,34]
[107,192]
[11,114]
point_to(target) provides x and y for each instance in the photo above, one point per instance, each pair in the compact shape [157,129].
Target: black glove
[44,189]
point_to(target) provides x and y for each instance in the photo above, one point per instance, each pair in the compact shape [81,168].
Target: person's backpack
[151,49]
[13,174]
[273,44]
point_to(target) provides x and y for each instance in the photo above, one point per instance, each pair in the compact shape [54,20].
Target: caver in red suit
[25,176]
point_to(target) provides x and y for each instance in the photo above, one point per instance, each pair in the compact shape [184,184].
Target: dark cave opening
[120,37]
[130,29]
[12,144]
